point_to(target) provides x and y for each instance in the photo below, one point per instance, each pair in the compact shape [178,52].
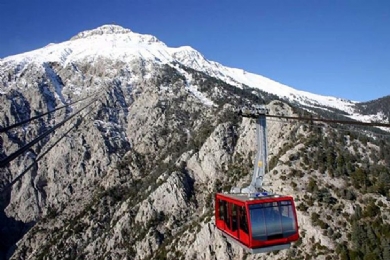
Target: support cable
[345,122]
[43,154]
[11,157]
[318,126]
[4,129]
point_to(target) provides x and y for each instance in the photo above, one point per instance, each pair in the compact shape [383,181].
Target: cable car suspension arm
[260,164]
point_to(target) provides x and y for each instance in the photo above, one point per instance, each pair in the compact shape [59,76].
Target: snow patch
[194,88]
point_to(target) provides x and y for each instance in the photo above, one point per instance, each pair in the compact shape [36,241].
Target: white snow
[194,88]
[58,88]
[118,43]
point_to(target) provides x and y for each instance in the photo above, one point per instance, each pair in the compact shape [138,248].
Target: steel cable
[42,155]
[4,129]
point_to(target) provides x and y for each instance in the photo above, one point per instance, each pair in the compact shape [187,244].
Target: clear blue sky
[330,47]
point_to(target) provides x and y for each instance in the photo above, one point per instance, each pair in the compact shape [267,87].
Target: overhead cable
[42,155]
[4,129]
[9,158]
[345,122]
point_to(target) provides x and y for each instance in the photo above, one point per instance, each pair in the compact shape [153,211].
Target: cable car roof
[255,197]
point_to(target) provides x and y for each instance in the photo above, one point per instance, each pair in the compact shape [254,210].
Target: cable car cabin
[258,224]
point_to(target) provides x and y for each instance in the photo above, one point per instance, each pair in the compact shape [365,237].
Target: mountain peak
[104,29]
[117,30]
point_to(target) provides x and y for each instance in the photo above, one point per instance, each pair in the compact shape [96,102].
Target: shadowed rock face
[12,231]
[136,176]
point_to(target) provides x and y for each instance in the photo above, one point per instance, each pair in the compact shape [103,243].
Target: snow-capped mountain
[117,43]
[134,174]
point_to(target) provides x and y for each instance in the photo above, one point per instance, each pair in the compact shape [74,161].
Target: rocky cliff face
[136,176]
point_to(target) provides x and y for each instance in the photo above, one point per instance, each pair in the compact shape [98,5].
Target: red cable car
[258,224]
[257,220]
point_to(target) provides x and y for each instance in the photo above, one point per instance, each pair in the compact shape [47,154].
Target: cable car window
[222,209]
[223,212]
[234,216]
[272,220]
[258,222]
[243,219]
[288,220]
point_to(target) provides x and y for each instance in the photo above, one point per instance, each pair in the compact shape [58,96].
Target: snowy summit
[118,43]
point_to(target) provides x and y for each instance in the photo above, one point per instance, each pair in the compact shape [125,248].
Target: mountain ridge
[116,42]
